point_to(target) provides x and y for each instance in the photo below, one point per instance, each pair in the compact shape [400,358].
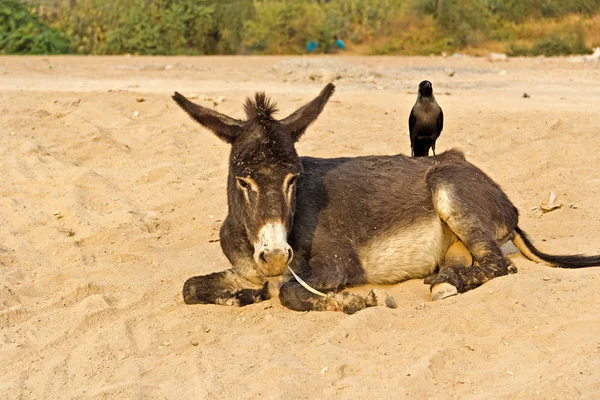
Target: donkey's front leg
[328,274]
[225,288]
[294,296]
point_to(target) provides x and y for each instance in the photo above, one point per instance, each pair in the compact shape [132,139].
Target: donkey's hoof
[443,290]
[379,297]
[351,302]
[331,303]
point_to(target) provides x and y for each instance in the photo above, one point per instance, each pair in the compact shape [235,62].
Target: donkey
[307,225]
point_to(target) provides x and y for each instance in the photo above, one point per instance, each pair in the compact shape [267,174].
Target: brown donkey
[342,222]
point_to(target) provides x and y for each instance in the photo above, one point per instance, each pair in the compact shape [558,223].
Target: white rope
[306,286]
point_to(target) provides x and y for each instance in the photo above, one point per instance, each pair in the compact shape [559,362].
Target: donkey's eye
[245,185]
[291,182]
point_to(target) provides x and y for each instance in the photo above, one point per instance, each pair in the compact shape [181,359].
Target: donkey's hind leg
[457,255]
[490,263]
[480,215]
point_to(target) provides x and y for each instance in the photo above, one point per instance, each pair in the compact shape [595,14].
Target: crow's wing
[440,122]
[411,123]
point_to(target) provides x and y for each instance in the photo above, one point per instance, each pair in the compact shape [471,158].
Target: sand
[111,197]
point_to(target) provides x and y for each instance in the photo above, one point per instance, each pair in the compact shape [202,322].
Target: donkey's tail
[523,243]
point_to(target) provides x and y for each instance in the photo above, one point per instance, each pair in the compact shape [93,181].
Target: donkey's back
[381,207]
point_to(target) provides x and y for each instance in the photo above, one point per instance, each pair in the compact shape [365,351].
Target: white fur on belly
[409,252]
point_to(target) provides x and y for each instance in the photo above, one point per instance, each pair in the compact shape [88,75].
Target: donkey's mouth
[274,263]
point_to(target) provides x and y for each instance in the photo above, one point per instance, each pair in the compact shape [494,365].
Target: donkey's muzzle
[278,259]
[272,253]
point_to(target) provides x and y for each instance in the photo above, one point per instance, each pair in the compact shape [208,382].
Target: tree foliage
[22,31]
[285,26]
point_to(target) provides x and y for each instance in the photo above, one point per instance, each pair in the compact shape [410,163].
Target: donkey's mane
[261,106]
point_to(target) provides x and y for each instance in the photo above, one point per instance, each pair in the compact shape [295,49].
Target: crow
[425,122]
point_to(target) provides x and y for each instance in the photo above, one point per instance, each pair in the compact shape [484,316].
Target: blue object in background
[311,46]
[340,44]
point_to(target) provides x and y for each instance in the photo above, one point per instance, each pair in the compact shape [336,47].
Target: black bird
[425,122]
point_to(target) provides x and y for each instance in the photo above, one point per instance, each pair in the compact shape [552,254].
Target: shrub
[283,26]
[138,26]
[22,31]
[566,42]
[161,27]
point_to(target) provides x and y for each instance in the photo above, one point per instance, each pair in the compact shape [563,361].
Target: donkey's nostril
[277,259]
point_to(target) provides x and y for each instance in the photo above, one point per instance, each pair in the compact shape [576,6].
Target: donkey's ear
[226,128]
[298,121]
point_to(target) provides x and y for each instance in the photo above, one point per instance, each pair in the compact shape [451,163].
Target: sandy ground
[108,205]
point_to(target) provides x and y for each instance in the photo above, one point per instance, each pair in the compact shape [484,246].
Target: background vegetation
[533,27]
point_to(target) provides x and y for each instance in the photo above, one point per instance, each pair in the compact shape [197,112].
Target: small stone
[194,343]
[140,99]
[218,100]
[136,113]
[552,204]
[550,207]
[495,57]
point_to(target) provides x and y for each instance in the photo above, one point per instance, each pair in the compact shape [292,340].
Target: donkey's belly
[408,252]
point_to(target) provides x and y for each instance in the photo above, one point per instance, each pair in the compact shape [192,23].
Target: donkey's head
[263,167]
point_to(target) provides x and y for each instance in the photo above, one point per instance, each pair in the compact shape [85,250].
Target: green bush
[22,32]
[358,21]
[227,30]
[285,26]
[519,10]
[138,26]
[161,27]
[555,44]
[155,26]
